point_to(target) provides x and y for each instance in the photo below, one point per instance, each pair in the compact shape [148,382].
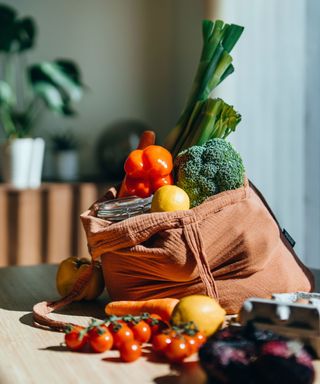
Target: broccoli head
[203,171]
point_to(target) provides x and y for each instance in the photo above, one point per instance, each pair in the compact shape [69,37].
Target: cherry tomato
[156,324]
[130,351]
[193,343]
[141,331]
[160,342]
[177,350]
[74,339]
[122,322]
[121,335]
[116,325]
[200,337]
[100,339]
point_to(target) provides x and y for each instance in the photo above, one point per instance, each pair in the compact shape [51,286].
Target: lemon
[170,198]
[204,311]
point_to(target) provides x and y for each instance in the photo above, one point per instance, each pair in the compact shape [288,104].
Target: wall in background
[138,58]
[276,89]
[312,135]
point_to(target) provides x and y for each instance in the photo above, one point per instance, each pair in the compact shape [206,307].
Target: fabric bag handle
[42,310]
[194,241]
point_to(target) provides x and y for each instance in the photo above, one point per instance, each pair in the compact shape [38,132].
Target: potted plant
[66,160]
[25,91]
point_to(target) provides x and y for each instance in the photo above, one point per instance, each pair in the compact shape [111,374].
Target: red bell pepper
[147,170]
[147,138]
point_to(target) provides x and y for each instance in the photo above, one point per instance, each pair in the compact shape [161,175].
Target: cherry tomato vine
[127,334]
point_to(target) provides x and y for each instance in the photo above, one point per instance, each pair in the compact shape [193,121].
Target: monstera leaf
[7,22]
[58,83]
[25,33]
[16,35]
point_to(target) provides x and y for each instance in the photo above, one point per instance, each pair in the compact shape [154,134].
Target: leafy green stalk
[204,121]
[214,66]
[212,118]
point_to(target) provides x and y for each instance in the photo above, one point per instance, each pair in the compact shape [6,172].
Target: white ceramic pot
[22,161]
[66,165]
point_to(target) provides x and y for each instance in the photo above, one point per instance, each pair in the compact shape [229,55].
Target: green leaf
[210,46]
[62,79]
[227,72]
[58,83]
[232,36]
[70,69]
[207,76]
[7,26]
[7,97]
[64,75]
[207,28]
[221,68]
[50,94]
[16,35]
[226,120]
[25,33]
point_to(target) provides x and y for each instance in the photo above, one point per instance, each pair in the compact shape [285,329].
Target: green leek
[212,118]
[215,65]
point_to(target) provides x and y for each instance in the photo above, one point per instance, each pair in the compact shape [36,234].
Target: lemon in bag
[170,198]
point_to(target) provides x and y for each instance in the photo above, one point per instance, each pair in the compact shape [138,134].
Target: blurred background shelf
[43,225]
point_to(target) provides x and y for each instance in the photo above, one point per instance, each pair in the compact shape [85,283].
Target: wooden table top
[34,355]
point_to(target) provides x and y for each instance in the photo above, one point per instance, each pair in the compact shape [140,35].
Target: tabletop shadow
[55,348]
[152,357]
[166,379]
[112,359]
[27,319]
[23,287]
[63,348]
[186,373]
[93,309]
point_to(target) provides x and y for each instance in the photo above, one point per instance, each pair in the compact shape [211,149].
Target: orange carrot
[161,307]
[147,138]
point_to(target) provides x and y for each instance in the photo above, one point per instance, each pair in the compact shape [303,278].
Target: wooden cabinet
[43,225]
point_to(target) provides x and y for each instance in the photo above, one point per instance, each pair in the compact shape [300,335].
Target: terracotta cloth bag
[230,247]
